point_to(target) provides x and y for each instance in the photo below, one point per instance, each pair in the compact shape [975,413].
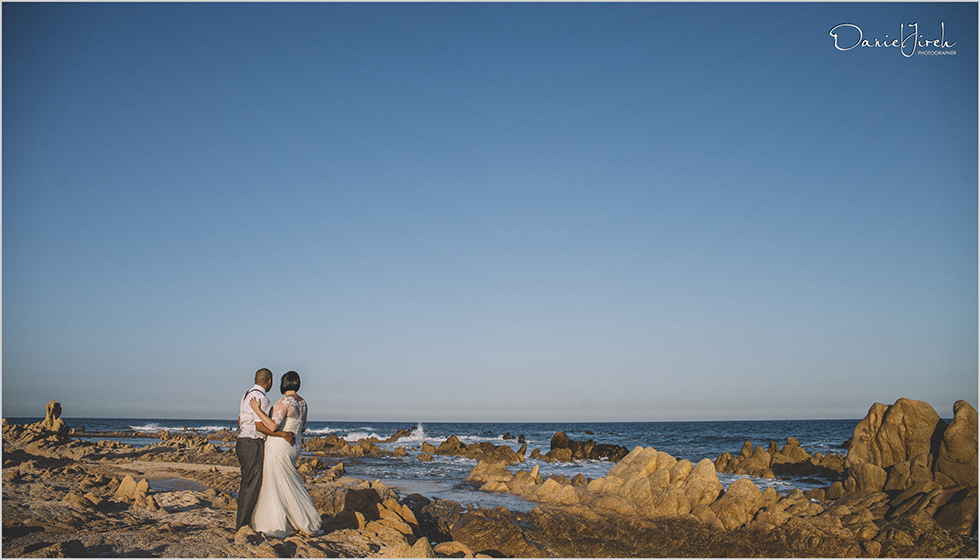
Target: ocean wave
[321,431]
[147,428]
[358,436]
[155,427]
[417,435]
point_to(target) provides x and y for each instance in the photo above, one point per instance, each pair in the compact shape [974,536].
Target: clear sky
[527,212]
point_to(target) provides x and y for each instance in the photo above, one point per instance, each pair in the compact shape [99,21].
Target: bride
[284,507]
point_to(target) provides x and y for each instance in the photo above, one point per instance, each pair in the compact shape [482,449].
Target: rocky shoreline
[906,488]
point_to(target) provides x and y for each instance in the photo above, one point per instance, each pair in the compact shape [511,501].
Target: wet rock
[564,449]
[772,462]
[484,451]
[489,472]
[451,446]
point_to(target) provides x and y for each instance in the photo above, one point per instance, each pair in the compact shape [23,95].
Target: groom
[250,445]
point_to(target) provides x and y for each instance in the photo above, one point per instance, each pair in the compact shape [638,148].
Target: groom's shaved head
[263,376]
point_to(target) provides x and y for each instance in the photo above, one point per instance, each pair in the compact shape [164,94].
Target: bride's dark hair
[289,382]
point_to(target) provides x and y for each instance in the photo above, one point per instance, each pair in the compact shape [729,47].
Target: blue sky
[528,212]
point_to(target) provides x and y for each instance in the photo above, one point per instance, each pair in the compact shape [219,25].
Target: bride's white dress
[284,507]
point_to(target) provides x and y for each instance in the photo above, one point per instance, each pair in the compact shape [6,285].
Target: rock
[579,450]
[52,420]
[453,549]
[77,501]
[559,440]
[265,550]
[865,477]
[896,433]
[365,501]
[639,462]
[66,549]
[739,504]
[957,457]
[126,490]
[702,487]
[959,514]
[399,549]
[671,502]
[680,470]
[146,502]
[559,455]
[425,457]
[421,549]
[452,446]
[488,533]
[552,491]
[489,472]
[610,451]
[142,488]
[247,536]
[908,473]
[725,463]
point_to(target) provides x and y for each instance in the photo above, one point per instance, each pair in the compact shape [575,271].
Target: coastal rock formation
[957,458]
[334,446]
[493,533]
[895,447]
[484,451]
[649,504]
[564,450]
[52,431]
[791,459]
[865,515]
[52,420]
[646,482]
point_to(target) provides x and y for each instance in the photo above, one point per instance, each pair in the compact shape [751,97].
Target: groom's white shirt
[247,417]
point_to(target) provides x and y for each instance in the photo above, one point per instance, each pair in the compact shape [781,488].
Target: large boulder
[702,486]
[911,444]
[957,459]
[739,504]
[489,472]
[892,434]
[52,420]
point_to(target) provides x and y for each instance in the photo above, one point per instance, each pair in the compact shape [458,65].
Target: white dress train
[284,507]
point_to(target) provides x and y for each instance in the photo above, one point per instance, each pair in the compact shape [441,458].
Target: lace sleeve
[303,416]
[280,412]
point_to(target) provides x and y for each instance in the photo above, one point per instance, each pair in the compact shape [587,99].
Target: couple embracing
[271,497]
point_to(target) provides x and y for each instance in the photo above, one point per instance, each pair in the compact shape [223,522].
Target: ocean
[445,478]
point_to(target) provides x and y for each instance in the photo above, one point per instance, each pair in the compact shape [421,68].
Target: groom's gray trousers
[251,453]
